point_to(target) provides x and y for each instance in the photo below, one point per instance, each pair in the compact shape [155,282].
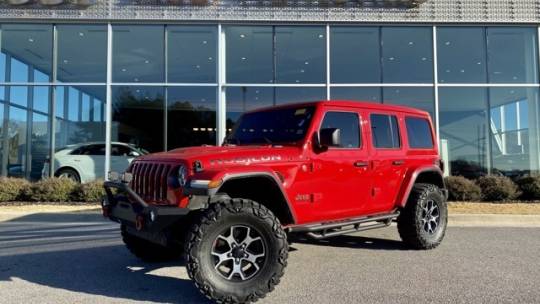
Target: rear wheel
[68,173]
[422,223]
[148,251]
[236,252]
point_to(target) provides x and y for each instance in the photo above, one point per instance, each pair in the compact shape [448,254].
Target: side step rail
[326,230]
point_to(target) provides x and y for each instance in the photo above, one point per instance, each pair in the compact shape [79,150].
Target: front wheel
[422,223]
[237,251]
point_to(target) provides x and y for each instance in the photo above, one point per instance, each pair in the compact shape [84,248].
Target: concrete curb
[454,220]
[494,220]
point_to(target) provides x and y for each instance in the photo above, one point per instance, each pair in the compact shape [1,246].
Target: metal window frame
[221,84]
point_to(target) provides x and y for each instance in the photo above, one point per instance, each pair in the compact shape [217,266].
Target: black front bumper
[123,205]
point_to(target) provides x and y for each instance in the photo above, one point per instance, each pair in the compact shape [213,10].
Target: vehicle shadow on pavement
[352,241]
[86,258]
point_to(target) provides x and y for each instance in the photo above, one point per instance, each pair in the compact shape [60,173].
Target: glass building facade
[165,86]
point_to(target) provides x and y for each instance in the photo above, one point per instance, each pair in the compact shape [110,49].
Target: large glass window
[39,144]
[355,54]
[2,105]
[419,98]
[16,132]
[41,98]
[463,129]
[514,130]
[461,54]
[138,115]
[303,94]
[191,53]
[138,53]
[18,95]
[513,54]
[407,54]
[191,116]
[31,45]
[356,93]
[70,130]
[82,53]
[300,54]
[249,54]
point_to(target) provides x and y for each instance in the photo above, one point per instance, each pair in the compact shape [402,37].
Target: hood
[221,156]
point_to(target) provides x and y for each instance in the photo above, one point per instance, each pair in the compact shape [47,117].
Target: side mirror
[325,138]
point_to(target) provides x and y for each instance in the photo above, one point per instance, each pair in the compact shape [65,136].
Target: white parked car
[86,162]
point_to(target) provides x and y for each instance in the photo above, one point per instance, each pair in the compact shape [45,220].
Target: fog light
[152,216]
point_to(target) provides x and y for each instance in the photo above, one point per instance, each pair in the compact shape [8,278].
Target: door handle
[398,162]
[361,164]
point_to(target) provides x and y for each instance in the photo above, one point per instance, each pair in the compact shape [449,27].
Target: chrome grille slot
[150,181]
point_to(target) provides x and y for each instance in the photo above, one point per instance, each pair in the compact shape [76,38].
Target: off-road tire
[200,243]
[148,251]
[410,226]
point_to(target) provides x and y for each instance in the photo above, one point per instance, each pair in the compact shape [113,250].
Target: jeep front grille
[150,181]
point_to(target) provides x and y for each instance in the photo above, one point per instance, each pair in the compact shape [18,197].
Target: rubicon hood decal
[245,160]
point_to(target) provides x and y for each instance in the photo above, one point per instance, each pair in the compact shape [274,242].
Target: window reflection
[191,116]
[513,54]
[463,127]
[461,54]
[514,130]
[16,132]
[357,93]
[192,53]
[242,99]
[419,98]
[138,53]
[2,105]
[82,53]
[300,54]
[355,54]
[41,96]
[407,54]
[70,129]
[39,145]
[138,114]
[18,95]
[31,44]
[249,54]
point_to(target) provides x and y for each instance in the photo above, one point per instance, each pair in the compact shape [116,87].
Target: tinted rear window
[419,133]
[385,131]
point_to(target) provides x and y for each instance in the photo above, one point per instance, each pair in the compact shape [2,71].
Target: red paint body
[323,186]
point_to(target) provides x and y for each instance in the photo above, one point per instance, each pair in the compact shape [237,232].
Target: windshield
[280,126]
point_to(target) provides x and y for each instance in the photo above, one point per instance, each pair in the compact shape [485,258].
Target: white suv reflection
[86,162]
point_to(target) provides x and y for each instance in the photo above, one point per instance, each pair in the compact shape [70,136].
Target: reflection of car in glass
[86,162]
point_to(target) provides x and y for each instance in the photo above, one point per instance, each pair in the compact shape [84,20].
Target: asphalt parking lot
[79,258]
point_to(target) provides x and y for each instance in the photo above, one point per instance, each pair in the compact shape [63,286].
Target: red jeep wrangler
[320,169]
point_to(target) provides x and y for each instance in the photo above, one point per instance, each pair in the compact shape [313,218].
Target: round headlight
[182,175]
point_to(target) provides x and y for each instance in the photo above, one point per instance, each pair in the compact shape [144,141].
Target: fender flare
[406,191]
[267,175]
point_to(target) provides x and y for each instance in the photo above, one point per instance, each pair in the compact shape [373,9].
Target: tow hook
[139,222]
